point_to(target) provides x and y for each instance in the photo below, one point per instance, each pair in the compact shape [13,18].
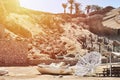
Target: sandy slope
[30,73]
[49,77]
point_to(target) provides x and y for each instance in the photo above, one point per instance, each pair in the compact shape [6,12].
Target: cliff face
[39,35]
[28,23]
[106,24]
[52,34]
[95,24]
[47,33]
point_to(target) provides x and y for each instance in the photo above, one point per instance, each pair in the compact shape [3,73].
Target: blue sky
[54,6]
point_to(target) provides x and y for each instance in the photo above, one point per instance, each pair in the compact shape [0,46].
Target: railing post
[110,64]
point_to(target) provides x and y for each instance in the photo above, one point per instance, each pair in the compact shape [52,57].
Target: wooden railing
[115,72]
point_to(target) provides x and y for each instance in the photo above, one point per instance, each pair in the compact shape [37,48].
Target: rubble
[3,71]
[54,68]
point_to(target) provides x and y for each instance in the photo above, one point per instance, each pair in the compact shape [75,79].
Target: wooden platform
[115,72]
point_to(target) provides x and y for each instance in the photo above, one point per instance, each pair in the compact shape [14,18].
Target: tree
[64,5]
[71,5]
[98,8]
[77,8]
[95,8]
[88,7]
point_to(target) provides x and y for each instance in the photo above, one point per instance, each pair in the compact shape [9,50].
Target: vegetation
[88,7]
[95,8]
[77,8]
[71,2]
[64,6]
[92,8]
[73,5]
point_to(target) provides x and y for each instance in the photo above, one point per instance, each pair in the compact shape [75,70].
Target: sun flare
[24,2]
[35,5]
[40,5]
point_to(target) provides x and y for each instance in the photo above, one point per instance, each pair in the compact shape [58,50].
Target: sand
[31,73]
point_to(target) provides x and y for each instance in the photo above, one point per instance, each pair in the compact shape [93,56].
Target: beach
[31,73]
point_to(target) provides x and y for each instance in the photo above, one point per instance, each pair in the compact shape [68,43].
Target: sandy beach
[31,73]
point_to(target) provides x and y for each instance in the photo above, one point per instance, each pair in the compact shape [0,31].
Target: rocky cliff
[51,34]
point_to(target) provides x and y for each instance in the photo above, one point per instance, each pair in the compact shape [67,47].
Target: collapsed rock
[3,71]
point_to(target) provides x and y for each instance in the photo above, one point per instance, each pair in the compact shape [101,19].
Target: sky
[55,6]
